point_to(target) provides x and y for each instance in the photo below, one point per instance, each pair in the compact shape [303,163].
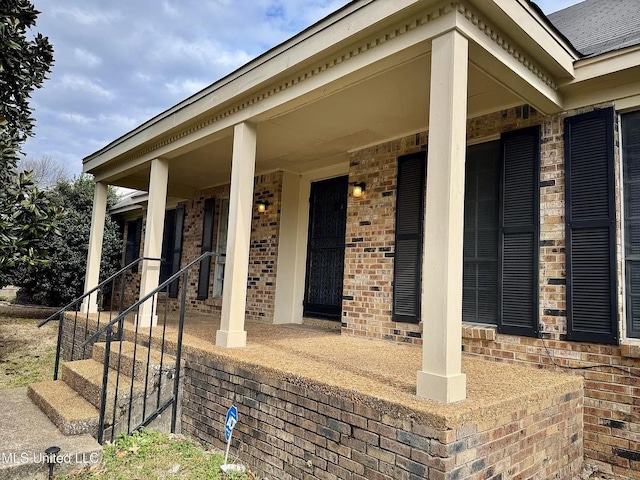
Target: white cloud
[185,87]
[77,83]
[75,118]
[84,17]
[86,58]
[198,52]
[119,63]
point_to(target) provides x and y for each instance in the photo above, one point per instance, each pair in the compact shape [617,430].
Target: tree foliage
[27,219]
[59,281]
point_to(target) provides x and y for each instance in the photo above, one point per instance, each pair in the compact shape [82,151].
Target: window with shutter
[134,237]
[519,232]
[168,237]
[207,244]
[481,212]
[172,247]
[221,249]
[176,251]
[590,228]
[631,174]
[408,237]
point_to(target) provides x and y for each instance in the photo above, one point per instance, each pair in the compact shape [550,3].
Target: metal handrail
[107,331]
[155,291]
[96,288]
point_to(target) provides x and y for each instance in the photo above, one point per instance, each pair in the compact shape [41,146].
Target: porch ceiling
[388,104]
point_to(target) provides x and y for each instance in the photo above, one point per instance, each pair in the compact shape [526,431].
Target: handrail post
[105,381]
[176,382]
[58,346]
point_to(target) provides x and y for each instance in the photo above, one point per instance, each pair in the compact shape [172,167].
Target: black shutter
[590,228]
[134,236]
[631,169]
[481,215]
[166,267]
[519,232]
[207,245]
[176,252]
[407,268]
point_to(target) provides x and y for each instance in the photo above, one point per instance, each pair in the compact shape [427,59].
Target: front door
[325,248]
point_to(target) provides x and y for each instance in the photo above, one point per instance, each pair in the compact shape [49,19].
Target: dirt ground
[27,353]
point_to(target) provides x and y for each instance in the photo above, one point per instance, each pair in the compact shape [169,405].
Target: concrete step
[85,377]
[121,356]
[26,433]
[65,407]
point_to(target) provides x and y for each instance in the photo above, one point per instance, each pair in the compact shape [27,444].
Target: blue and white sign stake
[229,423]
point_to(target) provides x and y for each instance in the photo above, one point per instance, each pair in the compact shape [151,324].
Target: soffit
[183,122]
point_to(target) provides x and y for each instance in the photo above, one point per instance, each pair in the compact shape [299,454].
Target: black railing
[157,372]
[83,317]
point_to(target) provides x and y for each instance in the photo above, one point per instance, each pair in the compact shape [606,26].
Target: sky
[120,62]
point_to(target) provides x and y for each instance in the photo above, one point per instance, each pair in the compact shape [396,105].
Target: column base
[236,339]
[89,305]
[440,388]
[146,321]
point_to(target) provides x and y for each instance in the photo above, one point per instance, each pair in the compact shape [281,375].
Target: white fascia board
[329,32]
[517,78]
[608,63]
[534,33]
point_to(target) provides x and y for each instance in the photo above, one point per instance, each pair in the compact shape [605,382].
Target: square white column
[92,275]
[234,292]
[441,377]
[154,229]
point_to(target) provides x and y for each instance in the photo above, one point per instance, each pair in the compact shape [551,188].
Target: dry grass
[27,353]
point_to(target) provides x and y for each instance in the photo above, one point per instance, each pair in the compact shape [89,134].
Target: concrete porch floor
[375,373]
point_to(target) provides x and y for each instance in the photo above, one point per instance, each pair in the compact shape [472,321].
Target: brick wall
[368,275]
[263,254]
[612,411]
[290,430]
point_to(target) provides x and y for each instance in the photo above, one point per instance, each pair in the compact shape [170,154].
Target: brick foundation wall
[611,404]
[291,430]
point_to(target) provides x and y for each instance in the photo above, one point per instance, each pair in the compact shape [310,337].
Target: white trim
[623,268]
[389,139]
[624,105]
[485,139]
[303,225]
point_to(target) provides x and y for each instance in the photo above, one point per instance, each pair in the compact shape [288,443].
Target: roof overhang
[511,45]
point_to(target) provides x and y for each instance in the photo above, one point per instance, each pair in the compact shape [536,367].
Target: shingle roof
[598,26]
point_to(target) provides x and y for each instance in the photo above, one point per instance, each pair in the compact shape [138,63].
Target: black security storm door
[590,228]
[325,248]
[631,171]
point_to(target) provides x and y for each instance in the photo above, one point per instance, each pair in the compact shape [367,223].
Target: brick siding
[263,253]
[612,415]
[291,430]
